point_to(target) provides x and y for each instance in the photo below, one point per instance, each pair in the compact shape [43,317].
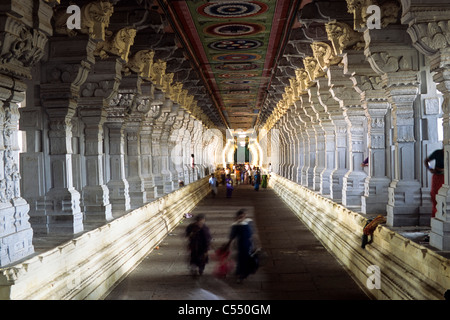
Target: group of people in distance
[243,174]
[199,245]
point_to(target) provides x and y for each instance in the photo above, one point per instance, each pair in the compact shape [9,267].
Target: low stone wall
[89,266]
[407,269]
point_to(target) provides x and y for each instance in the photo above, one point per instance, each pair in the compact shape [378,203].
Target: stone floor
[296,265]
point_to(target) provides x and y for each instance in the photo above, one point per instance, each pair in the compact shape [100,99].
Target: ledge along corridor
[297,266]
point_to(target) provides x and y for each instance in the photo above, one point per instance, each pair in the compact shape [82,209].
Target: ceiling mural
[235,45]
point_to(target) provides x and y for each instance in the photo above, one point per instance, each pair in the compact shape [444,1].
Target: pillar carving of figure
[430,34]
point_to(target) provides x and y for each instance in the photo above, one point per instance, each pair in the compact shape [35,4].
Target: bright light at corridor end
[236,138]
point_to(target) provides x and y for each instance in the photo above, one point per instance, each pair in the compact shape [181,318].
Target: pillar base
[16,239]
[353,188]
[119,195]
[62,208]
[325,186]
[403,207]
[336,180]
[96,205]
[440,234]
[375,199]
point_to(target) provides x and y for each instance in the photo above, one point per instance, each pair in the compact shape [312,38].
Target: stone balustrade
[408,270]
[89,266]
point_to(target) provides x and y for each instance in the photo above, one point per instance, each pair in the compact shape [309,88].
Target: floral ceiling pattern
[235,46]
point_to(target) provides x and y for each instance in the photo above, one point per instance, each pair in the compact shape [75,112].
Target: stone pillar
[118,185]
[300,138]
[295,152]
[332,108]
[176,148]
[133,126]
[102,84]
[391,55]
[60,208]
[286,145]
[308,117]
[350,102]
[160,151]
[429,32]
[376,184]
[61,79]
[146,151]
[304,156]
[167,176]
[187,169]
[374,105]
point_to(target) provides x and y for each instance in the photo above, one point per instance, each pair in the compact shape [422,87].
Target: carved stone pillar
[101,85]
[118,185]
[167,175]
[133,127]
[376,184]
[161,173]
[308,117]
[62,77]
[196,144]
[300,138]
[146,151]
[284,163]
[429,31]
[350,102]
[333,110]
[294,129]
[176,148]
[60,209]
[392,57]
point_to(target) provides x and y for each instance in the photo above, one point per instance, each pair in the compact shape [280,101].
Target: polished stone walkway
[296,266]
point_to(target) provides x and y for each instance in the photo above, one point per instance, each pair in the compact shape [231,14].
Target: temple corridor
[297,266]
[114,114]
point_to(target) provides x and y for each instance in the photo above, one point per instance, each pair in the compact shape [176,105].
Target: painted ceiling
[235,46]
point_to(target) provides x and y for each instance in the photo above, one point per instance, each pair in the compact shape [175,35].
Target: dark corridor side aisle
[297,266]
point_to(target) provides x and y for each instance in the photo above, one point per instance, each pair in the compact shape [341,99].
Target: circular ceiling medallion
[233,9]
[237,66]
[237,57]
[235,44]
[234,29]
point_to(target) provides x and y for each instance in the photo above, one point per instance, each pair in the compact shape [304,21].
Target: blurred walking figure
[213,184]
[229,184]
[199,242]
[257,179]
[242,231]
